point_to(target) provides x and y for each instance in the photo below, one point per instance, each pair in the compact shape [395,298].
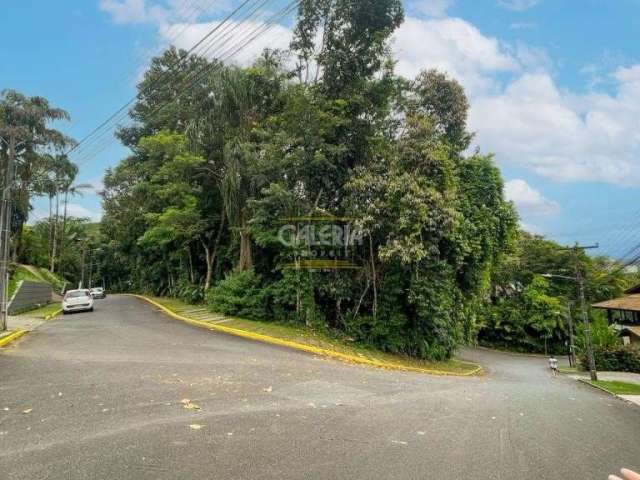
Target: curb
[588,382]
[7,339]
[302,347]
[52,315]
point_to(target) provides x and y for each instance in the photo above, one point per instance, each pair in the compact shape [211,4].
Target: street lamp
[585,319]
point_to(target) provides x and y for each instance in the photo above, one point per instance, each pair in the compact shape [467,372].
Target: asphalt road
[98,396]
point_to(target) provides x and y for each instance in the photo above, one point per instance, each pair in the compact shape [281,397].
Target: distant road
[102,398]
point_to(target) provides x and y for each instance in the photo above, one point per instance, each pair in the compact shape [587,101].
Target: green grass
[618,388]
[34,274]
[307,336]
[21,273]
[43,312]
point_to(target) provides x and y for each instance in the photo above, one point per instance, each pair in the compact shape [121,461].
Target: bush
[188,292]
[616,358]
[240,294]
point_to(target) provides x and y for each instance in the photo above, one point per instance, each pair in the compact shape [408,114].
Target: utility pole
[84,252]
[90,268]
[583,307]
[572,356]
[8,172]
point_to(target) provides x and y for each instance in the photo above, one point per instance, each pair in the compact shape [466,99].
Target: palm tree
[72,190]
[234,98]
[29,118]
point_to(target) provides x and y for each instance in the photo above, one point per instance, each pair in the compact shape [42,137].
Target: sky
[554,88]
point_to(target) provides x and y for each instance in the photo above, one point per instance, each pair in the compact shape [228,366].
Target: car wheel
[91,309]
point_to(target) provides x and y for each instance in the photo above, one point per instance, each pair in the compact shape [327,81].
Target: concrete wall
[30,295]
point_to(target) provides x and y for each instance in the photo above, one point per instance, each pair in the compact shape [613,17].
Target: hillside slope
[34,274]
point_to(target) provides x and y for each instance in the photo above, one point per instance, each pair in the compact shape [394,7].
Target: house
[624,314]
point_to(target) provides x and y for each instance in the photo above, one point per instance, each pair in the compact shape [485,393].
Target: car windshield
[77,294]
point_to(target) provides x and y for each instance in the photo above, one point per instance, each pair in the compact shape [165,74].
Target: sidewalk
[24,322]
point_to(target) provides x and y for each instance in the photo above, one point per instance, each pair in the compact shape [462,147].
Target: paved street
[99,396]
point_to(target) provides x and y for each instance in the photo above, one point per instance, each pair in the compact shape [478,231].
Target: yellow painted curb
[53,315]
[301,346]
[7,339]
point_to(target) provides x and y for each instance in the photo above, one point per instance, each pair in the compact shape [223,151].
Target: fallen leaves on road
[399,442]
[268,390]
[28,410]
[196,426]
[189,405]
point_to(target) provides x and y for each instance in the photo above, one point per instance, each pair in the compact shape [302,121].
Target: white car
[98,292]
[77,301]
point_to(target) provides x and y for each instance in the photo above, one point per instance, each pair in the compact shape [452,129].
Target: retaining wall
[30,295]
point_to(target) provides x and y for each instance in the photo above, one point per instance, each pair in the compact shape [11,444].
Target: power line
[197,75]
[177,63]
[221,34]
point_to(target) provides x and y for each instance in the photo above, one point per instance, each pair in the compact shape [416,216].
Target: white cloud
[563,136]
[518,5]
[433,8]
[132,11]
[452,45]
[528,200]
[161,12]
[79,211]
[277,37]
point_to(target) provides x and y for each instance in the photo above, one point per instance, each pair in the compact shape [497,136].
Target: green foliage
[240,294]
[602,334]
[213,178]
[530,313]
[615,358]
[530,320]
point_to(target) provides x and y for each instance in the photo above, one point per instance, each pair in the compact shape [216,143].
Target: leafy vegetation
[528,312]
[616,358]
[196,210]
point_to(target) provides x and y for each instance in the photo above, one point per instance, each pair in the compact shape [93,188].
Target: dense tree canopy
[336,144]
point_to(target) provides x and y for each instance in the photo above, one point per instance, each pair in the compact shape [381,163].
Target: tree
[216,171]
[28,119]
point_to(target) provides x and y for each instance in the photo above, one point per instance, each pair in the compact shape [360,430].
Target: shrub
[188,292]
[615,358]
[240,294]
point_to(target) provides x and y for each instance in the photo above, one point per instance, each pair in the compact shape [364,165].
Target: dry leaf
[195,426]
[28,410]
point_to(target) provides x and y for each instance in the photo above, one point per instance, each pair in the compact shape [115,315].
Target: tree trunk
[246,258]
[192,276]
[211,254]
[373,278]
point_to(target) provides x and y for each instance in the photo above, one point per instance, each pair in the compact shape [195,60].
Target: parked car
[77,301]
[98,292]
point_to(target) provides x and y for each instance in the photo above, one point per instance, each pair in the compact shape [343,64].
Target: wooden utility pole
[8,173]
[572,355]
[84,252]
[583,307]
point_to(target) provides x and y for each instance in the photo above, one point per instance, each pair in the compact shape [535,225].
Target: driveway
[127,393]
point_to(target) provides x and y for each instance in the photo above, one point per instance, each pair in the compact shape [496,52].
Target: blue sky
[554,87]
